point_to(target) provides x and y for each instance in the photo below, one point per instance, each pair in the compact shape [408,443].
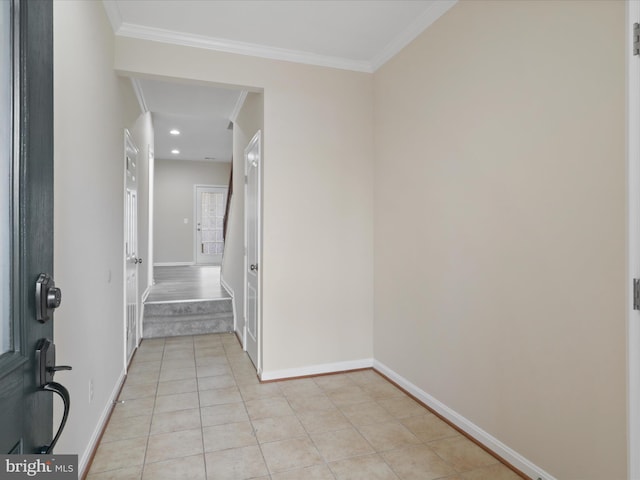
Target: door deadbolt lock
[254,267]
[48,297]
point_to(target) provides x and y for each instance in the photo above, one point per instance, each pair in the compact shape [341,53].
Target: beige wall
[250,119]
[500,225]
[92,108]
[174,188]
[317,199]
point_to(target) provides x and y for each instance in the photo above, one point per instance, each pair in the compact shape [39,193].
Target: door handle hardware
[137,260]
[46,362]
[63,393]
[48,297]
[254,267]
[45,370]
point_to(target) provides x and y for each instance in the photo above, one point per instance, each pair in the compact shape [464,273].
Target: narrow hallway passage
[193,408]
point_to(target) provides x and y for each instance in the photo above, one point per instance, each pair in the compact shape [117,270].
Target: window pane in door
[213,206]
[5,175]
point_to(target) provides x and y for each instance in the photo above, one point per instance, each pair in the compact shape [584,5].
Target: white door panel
[131,246]
[253,242]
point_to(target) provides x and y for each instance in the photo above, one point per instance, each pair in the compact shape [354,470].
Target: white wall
[317,200]
[92,108]
[175,181]
[250,119]
[142,134]
[500,226]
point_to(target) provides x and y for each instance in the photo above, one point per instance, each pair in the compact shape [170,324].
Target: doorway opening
[187,202]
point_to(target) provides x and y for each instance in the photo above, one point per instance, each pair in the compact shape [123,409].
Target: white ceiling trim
[424,21]
[137,88]
[236,110]
[428,17]
[223,45]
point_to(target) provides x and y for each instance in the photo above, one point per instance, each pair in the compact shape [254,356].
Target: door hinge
[636,294]
[636,38]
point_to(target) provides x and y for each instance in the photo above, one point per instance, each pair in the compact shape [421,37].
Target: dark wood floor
[184,283]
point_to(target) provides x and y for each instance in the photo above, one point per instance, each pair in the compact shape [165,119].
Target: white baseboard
[316,369]
[93,442]
[174,264]
[492,443]
[226,286]
[229,290]
[145,294]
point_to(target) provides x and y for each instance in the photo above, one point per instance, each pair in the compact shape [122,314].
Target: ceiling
[359,35]
[201,115]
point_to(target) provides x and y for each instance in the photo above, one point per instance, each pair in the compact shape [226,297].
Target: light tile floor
[193,409]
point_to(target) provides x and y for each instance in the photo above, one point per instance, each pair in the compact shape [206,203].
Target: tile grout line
[204,457]
[146,447]
[246,409]
[325,462]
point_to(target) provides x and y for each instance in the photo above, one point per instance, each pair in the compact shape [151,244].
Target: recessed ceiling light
[175,151]
[174,132]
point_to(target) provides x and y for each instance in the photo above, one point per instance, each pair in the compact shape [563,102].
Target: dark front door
[26,217]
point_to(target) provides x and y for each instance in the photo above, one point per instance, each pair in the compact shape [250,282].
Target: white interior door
[253,242]
[210,208]
[131,245]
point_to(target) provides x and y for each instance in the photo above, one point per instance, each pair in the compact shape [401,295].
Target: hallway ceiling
[359,35]
[200,113]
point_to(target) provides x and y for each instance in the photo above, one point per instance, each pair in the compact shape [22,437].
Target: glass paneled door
[210,208]
[26,224]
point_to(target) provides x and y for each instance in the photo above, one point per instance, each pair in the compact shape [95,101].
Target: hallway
[192,408]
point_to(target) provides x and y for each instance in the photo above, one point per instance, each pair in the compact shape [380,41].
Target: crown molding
[137,88]
[123,29]
[113,13]
[239,103]
[241,48]
[419,25]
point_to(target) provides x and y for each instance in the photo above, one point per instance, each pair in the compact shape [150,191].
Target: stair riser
[188,308]
[174,327]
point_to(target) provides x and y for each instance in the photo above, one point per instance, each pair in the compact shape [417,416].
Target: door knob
[254,267]
[137,260]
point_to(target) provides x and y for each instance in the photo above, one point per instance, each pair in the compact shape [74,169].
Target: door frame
[256,138]
[195,218]
[633,243]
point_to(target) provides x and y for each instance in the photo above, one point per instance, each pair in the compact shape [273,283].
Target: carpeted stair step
[172,319]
